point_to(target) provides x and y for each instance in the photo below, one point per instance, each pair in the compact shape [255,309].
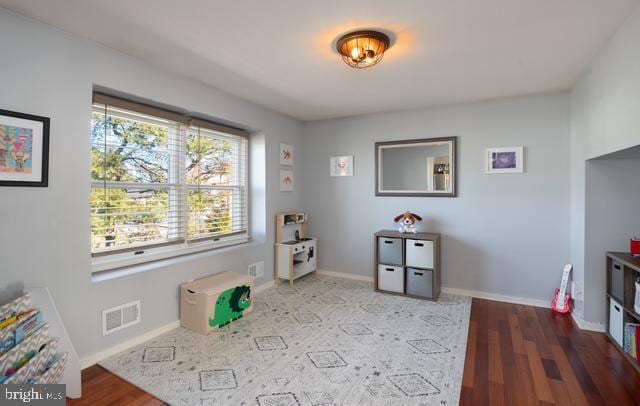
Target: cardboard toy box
[212,302]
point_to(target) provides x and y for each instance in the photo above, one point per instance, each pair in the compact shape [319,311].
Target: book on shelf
[27,353]
[632,340]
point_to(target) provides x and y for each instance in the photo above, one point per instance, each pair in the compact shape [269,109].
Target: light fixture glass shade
[362,49]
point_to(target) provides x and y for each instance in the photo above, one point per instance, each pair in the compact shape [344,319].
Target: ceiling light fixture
[362,49]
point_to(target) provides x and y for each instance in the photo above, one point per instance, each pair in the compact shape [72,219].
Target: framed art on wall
[504,160]
[24,149]
[286,181]
[341,165]
[286,154]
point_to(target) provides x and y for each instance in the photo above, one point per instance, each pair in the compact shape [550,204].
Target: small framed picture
[341,165]
[24,149]
[286,181]
[505,160]
[286,154]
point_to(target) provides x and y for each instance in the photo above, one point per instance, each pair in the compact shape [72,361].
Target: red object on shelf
[635,247]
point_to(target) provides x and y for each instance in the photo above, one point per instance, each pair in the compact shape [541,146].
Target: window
[162,184]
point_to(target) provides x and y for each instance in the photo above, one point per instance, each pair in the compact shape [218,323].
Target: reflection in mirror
[416,167]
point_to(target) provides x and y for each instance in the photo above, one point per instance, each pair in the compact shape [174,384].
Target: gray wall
[505,234]
[45,235]
[604,119]
[613,217]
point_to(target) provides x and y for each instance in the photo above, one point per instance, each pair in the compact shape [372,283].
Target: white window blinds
[160,179]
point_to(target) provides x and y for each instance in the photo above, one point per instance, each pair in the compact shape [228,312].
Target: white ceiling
[279,53]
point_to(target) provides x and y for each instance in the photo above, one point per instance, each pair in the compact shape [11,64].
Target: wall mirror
[425,167]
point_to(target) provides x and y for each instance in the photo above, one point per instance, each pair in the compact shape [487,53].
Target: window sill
[111,269]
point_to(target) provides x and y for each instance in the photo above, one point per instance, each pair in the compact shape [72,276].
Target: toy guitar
[561,303]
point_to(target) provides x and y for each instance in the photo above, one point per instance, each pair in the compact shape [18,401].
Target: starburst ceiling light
[362,49]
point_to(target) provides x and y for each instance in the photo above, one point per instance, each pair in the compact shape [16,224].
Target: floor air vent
[119,317]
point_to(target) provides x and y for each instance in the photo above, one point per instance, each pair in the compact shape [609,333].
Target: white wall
[504,234]
[45,235]
[604,119]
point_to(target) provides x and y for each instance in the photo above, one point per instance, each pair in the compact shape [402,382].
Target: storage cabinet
[622,271]
[408,264]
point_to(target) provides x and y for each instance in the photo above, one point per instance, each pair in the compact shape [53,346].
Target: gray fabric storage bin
[617,280]
[390,251]
[419,282]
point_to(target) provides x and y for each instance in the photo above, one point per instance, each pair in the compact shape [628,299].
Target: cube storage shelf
[622,271]
[407,264]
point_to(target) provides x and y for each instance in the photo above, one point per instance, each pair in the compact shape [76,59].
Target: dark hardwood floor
[523,355]
[516,355]
[100,387]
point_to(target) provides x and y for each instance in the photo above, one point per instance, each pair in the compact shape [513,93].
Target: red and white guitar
[561,303]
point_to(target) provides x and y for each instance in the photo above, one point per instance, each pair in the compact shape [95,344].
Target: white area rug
[329,341]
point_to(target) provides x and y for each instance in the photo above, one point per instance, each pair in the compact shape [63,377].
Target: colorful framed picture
[286,154]
[286,181]
[505,160]
[341,165]
[24,149]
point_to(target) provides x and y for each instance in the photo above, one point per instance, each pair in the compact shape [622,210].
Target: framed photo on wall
[341,165]
[286,181]
[24,149]
[286,154]
[504,160]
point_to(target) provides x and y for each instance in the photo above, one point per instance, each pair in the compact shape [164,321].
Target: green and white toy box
[212,302]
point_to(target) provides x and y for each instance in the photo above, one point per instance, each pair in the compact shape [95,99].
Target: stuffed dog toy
[407,221]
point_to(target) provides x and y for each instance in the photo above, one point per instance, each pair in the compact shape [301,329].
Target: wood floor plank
[507,355]
[560,393]
[526,394]
[470,361]
[495,359]
[481,375]
[570,381]
[581,373]
[516,355]
[496,394]
[516,334]
[538,374]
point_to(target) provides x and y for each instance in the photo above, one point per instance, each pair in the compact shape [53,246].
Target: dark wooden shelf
[626,259]
[632,313]
[617,299]
[417,236]
[435,271]
[630,271]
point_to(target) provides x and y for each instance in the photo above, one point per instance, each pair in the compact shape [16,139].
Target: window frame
[116,258]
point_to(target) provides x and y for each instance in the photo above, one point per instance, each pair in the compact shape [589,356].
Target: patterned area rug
[329,341]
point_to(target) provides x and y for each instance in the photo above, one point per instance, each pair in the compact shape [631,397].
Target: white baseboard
[498,297]
[345,275]
[453,291]
[93,359]
[582,324]
[264,286]
[588,325]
